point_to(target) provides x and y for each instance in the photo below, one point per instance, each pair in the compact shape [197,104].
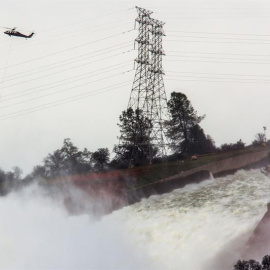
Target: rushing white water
[202,226]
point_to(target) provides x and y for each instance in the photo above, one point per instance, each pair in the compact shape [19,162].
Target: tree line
[253,264]
[66,161]
[185,135]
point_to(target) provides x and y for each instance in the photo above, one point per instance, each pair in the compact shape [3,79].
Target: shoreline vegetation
[134,178]
[137,161]
[138,170]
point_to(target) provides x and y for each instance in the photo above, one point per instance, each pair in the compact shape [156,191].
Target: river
[198,227]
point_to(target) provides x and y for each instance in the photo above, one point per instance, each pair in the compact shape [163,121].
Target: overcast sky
[74,77]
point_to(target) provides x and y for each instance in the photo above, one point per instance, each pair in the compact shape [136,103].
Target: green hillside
[154,172]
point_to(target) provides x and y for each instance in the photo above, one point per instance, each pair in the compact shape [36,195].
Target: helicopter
[13,32]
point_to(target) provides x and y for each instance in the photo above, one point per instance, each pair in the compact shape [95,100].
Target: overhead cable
[54,85]
[224,78]
[61,71]
[219,33]
[60,91]
[62,101]
[91,18]
[68,49]
[226,38]
[218,74]
[44,69]
[226,58]
[219,53]
[215,81]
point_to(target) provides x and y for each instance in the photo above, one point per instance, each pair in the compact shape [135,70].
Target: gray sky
[74,77]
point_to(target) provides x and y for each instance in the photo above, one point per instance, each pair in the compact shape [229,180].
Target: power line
[60,91]
[93,18]
[5,71]
[226,58]
[219,74]
[218,13]
[46,40]
[246,80]
[85,29]
[92,26]
[221,62]
[57,63]
[61,102]
[55,85]
[69,35]
[208,8]
[213,53]
[68,49]
[218,33]
[216,17]
[201,37]
[76,76]
[214,81]
[85,64]
[230,42]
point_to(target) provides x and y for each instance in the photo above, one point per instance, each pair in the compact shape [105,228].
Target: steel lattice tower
[148,91]
[140,94]
[159,99]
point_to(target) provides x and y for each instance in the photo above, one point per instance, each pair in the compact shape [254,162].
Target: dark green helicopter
[13,32]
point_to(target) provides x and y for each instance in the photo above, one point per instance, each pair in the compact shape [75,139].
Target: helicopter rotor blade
[9,28]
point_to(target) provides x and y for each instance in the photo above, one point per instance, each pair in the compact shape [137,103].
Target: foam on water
[202,226]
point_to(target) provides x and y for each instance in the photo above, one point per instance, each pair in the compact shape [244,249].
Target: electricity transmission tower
[148,91]
[140,94]
[159,99]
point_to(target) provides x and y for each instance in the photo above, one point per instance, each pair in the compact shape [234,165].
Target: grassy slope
[151,173]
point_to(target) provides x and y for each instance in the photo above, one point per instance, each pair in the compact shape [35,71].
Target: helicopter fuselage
[17,34]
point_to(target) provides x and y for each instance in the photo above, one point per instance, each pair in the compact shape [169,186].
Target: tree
[75,161]
[232,146]
[212,143]
[253,265]
[135,130]
[226,147]
[2,182]
[17,172]
[266,262]
[100,158]
[248,265]
[2,176]
[54,164]
[183,125]
[239,145]
[39,171]
[199,143]
[259,139]
[65,161]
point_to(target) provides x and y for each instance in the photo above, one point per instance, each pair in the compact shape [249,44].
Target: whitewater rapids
[201,226]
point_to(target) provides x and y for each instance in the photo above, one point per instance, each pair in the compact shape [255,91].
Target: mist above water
[37,232]
[201,226]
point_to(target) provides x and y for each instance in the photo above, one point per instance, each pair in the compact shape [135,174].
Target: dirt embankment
[199,174]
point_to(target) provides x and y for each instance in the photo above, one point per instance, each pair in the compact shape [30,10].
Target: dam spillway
[201,226]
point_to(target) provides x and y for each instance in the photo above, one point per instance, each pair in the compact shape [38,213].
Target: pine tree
[135,147]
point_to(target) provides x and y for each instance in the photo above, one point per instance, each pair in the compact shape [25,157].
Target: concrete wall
[197,175]
[259,242]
